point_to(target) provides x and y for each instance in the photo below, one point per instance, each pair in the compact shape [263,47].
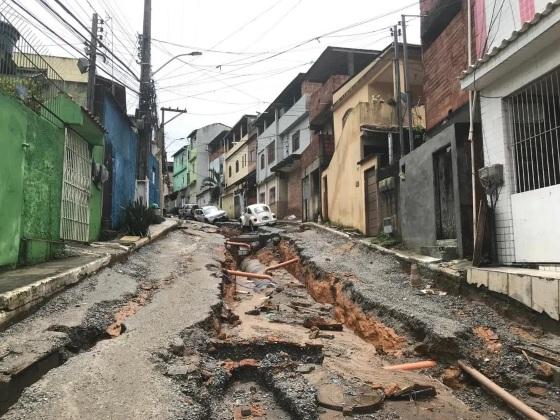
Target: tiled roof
[514,35]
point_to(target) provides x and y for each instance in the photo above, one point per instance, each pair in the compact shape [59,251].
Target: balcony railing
[24,72]
[384,116]
[321,100]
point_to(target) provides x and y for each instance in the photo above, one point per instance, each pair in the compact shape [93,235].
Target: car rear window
[260,209]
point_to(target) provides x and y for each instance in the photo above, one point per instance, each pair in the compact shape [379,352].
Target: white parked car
[209,214]
[257,215]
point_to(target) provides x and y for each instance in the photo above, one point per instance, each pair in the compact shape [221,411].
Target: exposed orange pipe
[502,393]
[424,364]
[239,244]
[248,275]
[285,263]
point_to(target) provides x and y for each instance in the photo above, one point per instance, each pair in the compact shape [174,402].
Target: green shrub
[138,218]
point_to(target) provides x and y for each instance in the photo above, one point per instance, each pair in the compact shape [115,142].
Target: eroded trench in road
[299,346]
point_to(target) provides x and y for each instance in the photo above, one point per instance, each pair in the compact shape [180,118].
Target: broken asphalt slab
[24,289]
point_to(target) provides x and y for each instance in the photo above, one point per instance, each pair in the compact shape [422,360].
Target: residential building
[181,176]
[216,157]
[331,70]
[516,76]
[198,161]
[435,194]
[236,167]
[365,127]
[282,135]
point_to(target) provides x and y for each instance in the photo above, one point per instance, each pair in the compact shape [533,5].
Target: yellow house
[367,138]
[236,167]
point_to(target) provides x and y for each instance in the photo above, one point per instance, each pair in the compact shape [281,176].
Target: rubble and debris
[412,392]
[322,324]
[452,378]
[489,336]
[501,393]
[363,399]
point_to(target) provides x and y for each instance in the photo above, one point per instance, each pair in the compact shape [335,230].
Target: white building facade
[517,78]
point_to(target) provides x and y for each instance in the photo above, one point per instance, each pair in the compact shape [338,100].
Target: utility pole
[145,106]
[162,155]
[397,86]
[406,81]
[92,64]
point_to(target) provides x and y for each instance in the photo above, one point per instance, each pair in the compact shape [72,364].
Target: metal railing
[534,113]
[24,71]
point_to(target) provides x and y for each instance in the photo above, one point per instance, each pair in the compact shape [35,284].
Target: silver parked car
[209,214]
[257,215]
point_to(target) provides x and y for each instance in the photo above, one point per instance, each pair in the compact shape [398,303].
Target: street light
[194,53]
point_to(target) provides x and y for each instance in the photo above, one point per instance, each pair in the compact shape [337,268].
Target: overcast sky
[247,45]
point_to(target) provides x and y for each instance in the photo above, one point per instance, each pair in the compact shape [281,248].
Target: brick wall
[294,204]
[311,152]
[444,60]
[307,88]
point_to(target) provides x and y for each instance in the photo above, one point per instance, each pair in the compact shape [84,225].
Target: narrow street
[166,334]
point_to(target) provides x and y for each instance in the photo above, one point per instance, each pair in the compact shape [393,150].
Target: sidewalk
[25,288]
[455,270]
[537,289]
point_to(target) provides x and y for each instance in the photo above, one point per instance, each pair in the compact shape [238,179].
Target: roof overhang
[533,37]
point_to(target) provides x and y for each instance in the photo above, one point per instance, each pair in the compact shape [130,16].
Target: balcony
[192,154]
[382,116]
[321,101]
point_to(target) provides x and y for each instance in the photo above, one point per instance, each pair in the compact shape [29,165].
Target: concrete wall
[154,174]
[417,202]
[123,142]
[13,134]
[345,177]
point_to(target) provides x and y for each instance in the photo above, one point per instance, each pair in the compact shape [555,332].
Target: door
[237,205]
[444,196]
[76,183]
[372,220]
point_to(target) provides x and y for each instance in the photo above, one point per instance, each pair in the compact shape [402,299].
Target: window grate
[535,122]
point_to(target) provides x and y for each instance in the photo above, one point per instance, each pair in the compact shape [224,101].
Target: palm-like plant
[214,183]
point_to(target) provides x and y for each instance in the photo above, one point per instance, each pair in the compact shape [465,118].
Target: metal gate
[76,183]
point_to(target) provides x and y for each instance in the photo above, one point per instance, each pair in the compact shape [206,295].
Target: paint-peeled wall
[42,190]
[13,131]
[123,143]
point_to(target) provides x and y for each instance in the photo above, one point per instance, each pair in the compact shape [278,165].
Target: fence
[24,72]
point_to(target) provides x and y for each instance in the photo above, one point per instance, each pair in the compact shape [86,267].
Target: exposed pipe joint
[239,244]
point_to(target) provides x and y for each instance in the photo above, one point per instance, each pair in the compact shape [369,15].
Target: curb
[16,304]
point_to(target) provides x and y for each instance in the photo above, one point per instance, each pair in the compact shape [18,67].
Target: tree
[214,182]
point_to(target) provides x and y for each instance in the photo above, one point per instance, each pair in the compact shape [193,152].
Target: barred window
[535,122]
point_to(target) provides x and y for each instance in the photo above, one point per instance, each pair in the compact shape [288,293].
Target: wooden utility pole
[406,81]
[92,64]
[146,94]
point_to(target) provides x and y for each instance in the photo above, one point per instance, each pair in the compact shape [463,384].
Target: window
[229,170]
[262,198]
[271,148]
[236,166]
[262,161]
[295,141]
[534,113]
[272,195]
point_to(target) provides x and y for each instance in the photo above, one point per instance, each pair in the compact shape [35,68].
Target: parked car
[209,214]
[257,215]
[186,212]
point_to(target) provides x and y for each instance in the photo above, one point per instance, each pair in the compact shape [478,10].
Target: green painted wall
[42,190]
[13,130]
[181,170]
[31,169]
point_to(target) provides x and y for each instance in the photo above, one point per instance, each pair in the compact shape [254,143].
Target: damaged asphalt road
[168,335]
[115,378]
